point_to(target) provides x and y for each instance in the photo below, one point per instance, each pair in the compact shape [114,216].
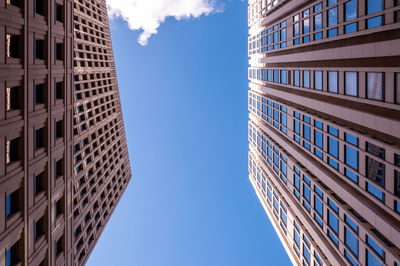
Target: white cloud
[147,15]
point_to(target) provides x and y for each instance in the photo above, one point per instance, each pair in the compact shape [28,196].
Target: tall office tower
[324,127]
[63,154]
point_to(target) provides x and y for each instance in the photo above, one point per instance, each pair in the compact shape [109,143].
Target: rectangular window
[39,183]
[333,222]
[59,129]
[59,92]
[13,255]
[297,78]
[318,22]
[39,93]
[372,260]
[375,150]
[351,241]
[397,88]
[12,203]
[318,80]
[59,207]
[39,7]
[276,75]
[59,51]
[39,49]
[350,10]
[59,10]
[375,171]
[375,247]
[12,98]
[376,192]
[375,86]
[39,138]
[13,150]
[351,83]
[283,76]
[39,228]
[374,6]
[269,75]
[306,79]
[59,246]
[59,168]
[333,81]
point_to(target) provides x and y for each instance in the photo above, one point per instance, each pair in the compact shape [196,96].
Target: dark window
[39,49]
[39,228]
[59,51]
[59,13]
[12,98]
[375,171]
[14,3]
[39,183]
[12,203]
[13,255]
[396,159]
[59,130]
[397,183]
[39,138]
[59,90]
[59,168]
[59,207]
[375,150]
[13,46]
[59,246]
[39,93]
[39,7]
[13,150]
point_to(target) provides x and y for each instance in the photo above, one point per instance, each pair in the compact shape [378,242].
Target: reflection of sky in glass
[374,6]
[332,16]
[318,22]
[333,81]
[306,26]
[351,10]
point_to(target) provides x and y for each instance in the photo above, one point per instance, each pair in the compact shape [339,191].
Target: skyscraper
[324,129]
[63,154]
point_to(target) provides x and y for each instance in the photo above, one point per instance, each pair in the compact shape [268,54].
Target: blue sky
[184,99]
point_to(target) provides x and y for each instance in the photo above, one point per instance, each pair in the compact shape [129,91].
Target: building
[324,128]
[63,153]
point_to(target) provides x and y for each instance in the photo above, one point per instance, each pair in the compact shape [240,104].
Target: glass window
[375,150]
[375,247]
[351,223]
[318,7]
[318,22]
[350,10]
[375,171]
[332,16]
[306,26]
[375,191]
[306,253]
[283,76]
[318,80]
[269,75]
[351,241]
[374,6]
[333,147]
[276,75]
[351,86]
[350,258]
[331,2]
[296,31]
[351,139]
[306,193]
[375,86]
[318,206]
[333,81]
[333,222]
[372,260]
[397,86]
[306,79]
[351,158]
[297,78]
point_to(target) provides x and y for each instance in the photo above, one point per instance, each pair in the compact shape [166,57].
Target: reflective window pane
[318,80]
[375,86]
[350,10]
[333,81]
[306,79]
[351,86]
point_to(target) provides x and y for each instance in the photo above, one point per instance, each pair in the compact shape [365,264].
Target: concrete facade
[63,154]
[324,127]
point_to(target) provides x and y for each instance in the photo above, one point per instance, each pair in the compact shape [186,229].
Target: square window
[375,86]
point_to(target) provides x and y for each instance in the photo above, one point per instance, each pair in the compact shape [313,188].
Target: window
[39,7]
[59,51]
[12,203]
[12,98]
[350,10]
[376,192]
[351,154]
[333,81]
[59,129]
[59,246]
[351,241]
[318,22]
[306,79]
[269,75]
[39,93]
[39,49]
[13,255]
[13,150]
[318,80]
[375,171]
[59,207]
[379,251]
[351,85]
[375,150]
[59,168]
[283,76]
[397,183]
[374,6]
[333,146]
[375,86]
[13,2]
[39,183]
[333,222]
[371,260]
[39,228]
[59,93]
[331,2]
[332,20]
[397,88]
[276,75]
[59,13]
[297,78]
[13,45]
[39,138]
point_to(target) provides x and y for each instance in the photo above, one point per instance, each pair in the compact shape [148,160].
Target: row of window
[374,81]
[41,8]
[312,195]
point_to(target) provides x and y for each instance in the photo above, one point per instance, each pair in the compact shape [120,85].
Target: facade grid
[324,127]
[64,162]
